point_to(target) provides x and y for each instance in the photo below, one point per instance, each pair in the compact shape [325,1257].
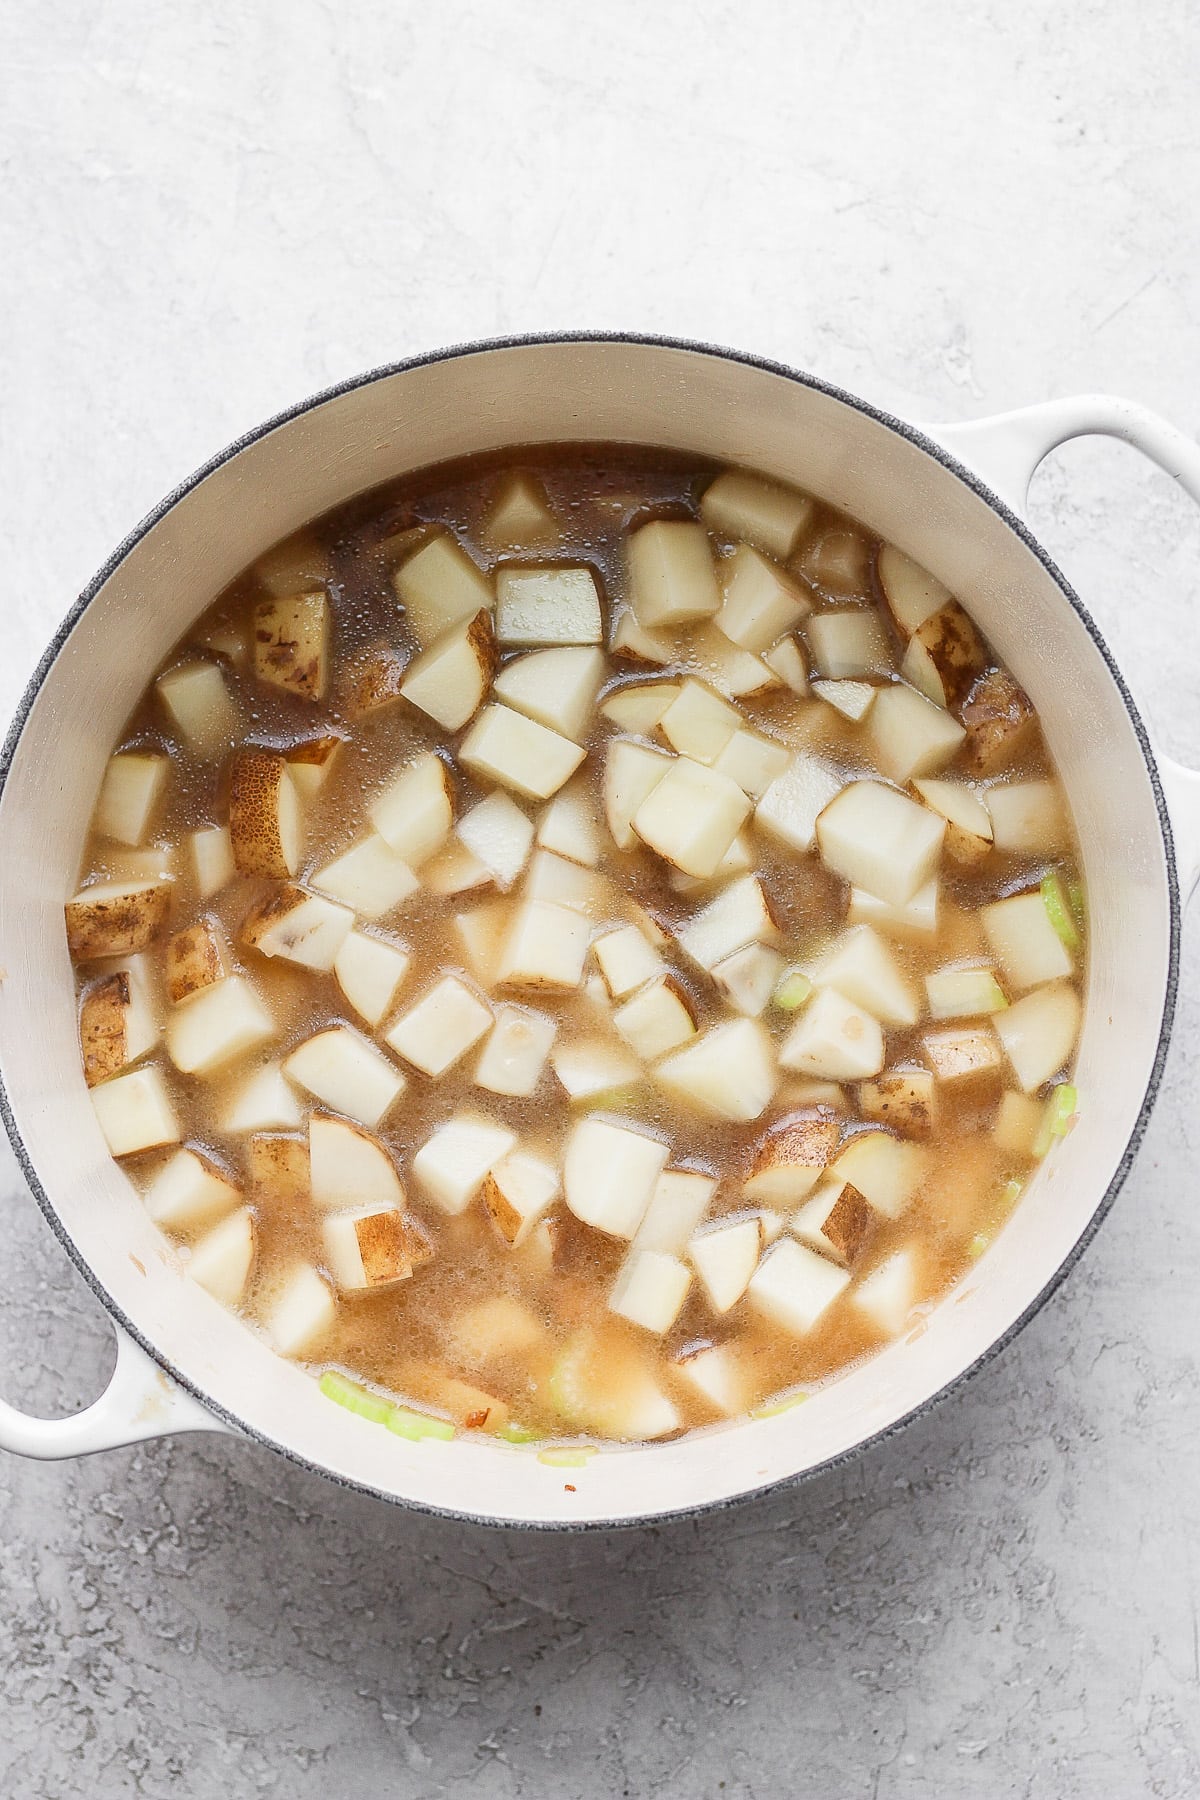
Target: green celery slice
[514,1433]
[1058,1118]
[1059,912]
[406,1422]
[566,1456]
[770,1409]
[792,990]
[354,1397]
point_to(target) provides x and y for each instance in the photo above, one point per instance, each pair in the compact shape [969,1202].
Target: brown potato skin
[316,750]
[903,1099]
[102,1027]
[383,1246]
[277,1166]
[290,638]
[193,961]
[999,721]
[116,927]
[953,646]
[376,684]
[254,778]
[848,1224]
[809,1141]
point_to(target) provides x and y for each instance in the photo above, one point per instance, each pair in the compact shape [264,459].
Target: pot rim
[1015,523]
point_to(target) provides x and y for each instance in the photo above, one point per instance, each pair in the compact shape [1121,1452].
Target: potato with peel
[265,829]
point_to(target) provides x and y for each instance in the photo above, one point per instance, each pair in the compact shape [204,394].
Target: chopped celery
[772,1408]
[978,1245]
[1010,1193]
[1058,1117]
[566,1457]
[407,1423]
[354,1397]
[1058,910]
[1078,901]
[791,990]
[514,1433]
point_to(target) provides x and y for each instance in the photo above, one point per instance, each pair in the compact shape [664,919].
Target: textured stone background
[951,207]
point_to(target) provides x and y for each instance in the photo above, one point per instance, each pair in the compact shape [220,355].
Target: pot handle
[1005,451]
[141,1401]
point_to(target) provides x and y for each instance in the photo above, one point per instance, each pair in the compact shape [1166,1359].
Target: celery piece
[514,1433]
[978,1245]
[1058,1118]
[772,1408]
[1010,1193]
[407,1423]
[566,1457]
[1059,912]
[791,990]
[354,1397]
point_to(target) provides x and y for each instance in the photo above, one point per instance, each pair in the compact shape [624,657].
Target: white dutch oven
[950,497]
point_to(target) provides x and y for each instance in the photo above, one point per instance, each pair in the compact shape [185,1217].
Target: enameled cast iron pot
[951,498]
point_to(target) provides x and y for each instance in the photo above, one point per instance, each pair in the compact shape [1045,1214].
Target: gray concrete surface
[952,208]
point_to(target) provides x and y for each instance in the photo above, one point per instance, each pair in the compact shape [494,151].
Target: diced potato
[752,761]
[367,1250]
[791,806]
[505,746]
[1027,947]
[880,840]
[959,805]
[449,679]
[519,514]
[118,1022]
[194,959]
[500,835]
[516,1192]
[739,915]
[590,1066]
[299,562]
[904,1099]
[728,1071]
[944,656]
[918,918]
[200,707]
[311,762]
[348,1167]
[791,1159]
[547,606]
[558,882]
[568,827]
[262,1101]
[277,1169]
[888,1294]
[638,706]
[369,971]
[861,967]
[544,947]
[834,1039]
[671,575]
[912,593]
[455,870]
[910,736]
[963,993]
[302,1313]
[515,1054]
[297,926]
[482,933]
[218,1024]
[1017,1124]
[221,1262]
[999,720]
[348,1074]
[848,644]
[134,1112]
[415,811]
[691,816]
[265,829]
[680,1200]
[212,859]
[1038,1033]
[189,1190]
[626,959]
[786,660]
[1027,817]
[631,773]
[602,1386]
[451,1167]
[440,587]
[610,1173]
[771,517]
[226,641]
[658,1018]
[369,878]
[733,671]
[883,1169]
[761,601]
[748,978]
[713,1372]
[839,562]
[631,640]
[557,688]
[794,1287]
[291,643]
[698,723]
[853,699]
[497,1329]
[963,1056]
[650,1290]
[132,787]
[835,1222]
[443,1025]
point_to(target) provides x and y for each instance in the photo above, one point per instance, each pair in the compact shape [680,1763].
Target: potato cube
[440,587]
[368,1249]
[638,706]
[761,601]
[500,835]
[212,859]
[748,978]
[519,514]
[887,1172]
[544,947]
[118,1022]
[547,606]
[265,827]
[888,1293]
[944,656]
[698,723]
[277,1169]
[853,699]
[132,787]
[680,1200]
[794,1287]
[567,826]
[221,1262]
[656,1019]
[917,918]
[194,959]
[291,644]
[834,1039]
[590,1066]
[752,761]
[650,1290]
[218,1024]
[671,575]
[515,1054]
[558,882]
[959,805]
[880,840]
[369,970]
[369,878]
[482,933]
[348,1167]
[713,1372]
[631,640]
[414,813]
[764,513]
[199,706]
[692,816]
[302,1313]
[910,735]
[728,1071]
[786,660]
[791,1159]
[861,966]
[348,1074]
[294,925]
[1027,947]
[449,679]
[912,593]
[847,644]
[505,746]
[135,1113]
[189,1190]
[835,1222]
[261,1101]
[725,1257]
[631,773]
[450,1168]
[999,720]
[904,1099]
[439,1030]
[516,1193]
[1038,1033]
[791,806]
[740,914]
[455,870]
[963,1056]
[311,762]
[609,1175]
[1027,817]
[627,959]
[733,671]
[1017,1124]
[557,688]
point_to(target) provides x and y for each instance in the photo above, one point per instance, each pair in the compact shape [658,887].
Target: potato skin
[193,961]
[999,721]
[254,779]
[809,1141]
[848,1224]
[119,925]
[953,646]
[102,1033]
[290,639]
[902,1099]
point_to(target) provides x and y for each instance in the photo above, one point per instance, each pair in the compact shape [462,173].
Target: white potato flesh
[794,1287]
[728,1072]
[878,839]
[348,1074]
[568,826]
[348,1167]
[692,816]
[291,643]
[917,919]
[888,1294]
[263,1101]
[963,1055]
[369,878]
[963,993]
[547,606]
[862,967]
[517,1192]
[505,746]
[1025,943]
[439,587]
[302,928]
[415,811]
[739,915]
[590,1066]
[132,787]
[1017,1123]
[482,933]
[631,773]
[748,978]
[639,706]
[752,761]
[515,1054]
[910,735]
[118,1020]
[519,514]
[221,1262]
[443,1025]
[500,835]
[834,1039]
[545,947]
[302,1312]
[736,861]
[853,699]
[1028,818]
[558,688]
[786,660]
[715,1374]
[958,804]
[912,593]
[699,723]
[791,806]
[265,826]
[189,1190]
[680,1200]
[222,1022]
[639,645]
[671,576]
[454,870]
[449,679]
[311,762]
[212,859]
[847,644]
[656,1019]
[1038,1033]
[725,1257]
[771,517]
[367,1250]
[296,563]
[135,1112]
[609,1175]
[559,882]
[200,707]
[822,1225]
[734,672]
[369,971]
[495,1329]
[944,656]
[650,1290]
[451,1166]
[886,1171]
[626,959]
[761,601]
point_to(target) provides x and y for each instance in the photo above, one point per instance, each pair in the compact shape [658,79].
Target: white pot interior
[644,394]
